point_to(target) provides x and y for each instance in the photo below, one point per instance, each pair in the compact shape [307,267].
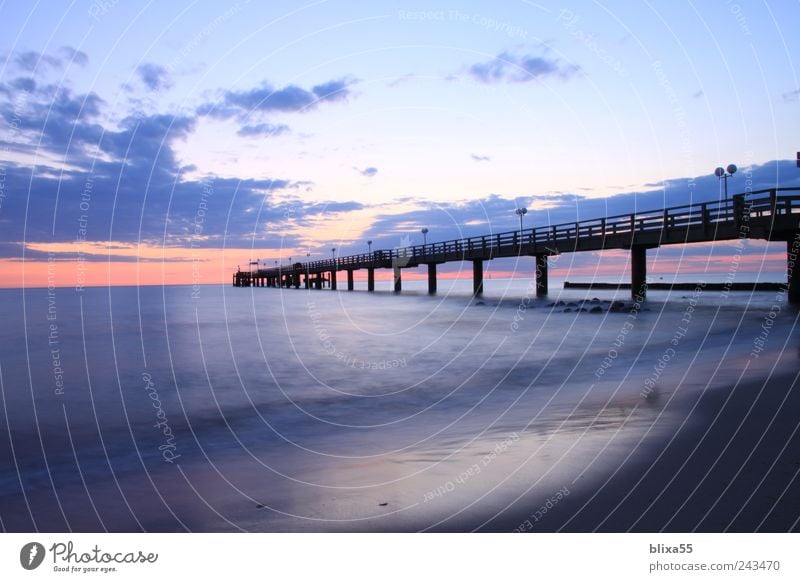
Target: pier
[772,215]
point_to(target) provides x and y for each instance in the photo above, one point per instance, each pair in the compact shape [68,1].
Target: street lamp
[724,173]
[424,232]
[333,254]
[369,246]
[521,212]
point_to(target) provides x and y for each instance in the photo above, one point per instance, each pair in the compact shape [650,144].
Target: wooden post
[477,277]
[333,280]
[431,278]
[370,279]
[350,284]
[541,275]
[792,278]
[398,279]
[638,271]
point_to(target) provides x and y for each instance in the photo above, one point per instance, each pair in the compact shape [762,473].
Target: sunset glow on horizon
[231,140]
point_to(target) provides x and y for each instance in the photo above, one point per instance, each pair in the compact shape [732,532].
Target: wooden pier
[772,215]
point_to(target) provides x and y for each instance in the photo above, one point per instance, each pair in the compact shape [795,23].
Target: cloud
[510,68]
[478,158]
[267,99]
[155,77]
[55,119]
[72,55]
[124,181]
[34,61]
[262,129]
[24,84]
[791,95]
[369,172]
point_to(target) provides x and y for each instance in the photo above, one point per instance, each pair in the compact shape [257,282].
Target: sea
[216,408]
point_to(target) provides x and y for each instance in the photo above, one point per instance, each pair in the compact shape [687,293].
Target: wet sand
[733,466]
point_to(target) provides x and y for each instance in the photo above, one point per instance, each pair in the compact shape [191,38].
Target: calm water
[225,408]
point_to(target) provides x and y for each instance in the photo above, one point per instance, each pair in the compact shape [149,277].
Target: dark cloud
[507,67]
[31,61]
[34,61]
[368,172]
[337,90]
[267,99]
[24,84]
[262,129]
[155,77]
[791,95]
[53,118]
[72,55]
[23,252]
[478,158]
[126,181]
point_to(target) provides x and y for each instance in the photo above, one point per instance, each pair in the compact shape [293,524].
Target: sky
[151,143]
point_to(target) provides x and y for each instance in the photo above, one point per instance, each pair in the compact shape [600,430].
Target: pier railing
[705,216]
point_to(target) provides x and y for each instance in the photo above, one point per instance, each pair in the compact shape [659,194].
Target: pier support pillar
[477,277]
[333,280]
[297,281]
[793,278]
[432,278]
[307,282]
[638,271]
[398,280]
[350,284]
[370,279]
[318,281]
[541,275]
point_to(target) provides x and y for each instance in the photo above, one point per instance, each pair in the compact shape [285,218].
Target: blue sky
[330,123]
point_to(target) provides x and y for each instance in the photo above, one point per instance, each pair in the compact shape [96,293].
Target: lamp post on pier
[521,212]
[723,174]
